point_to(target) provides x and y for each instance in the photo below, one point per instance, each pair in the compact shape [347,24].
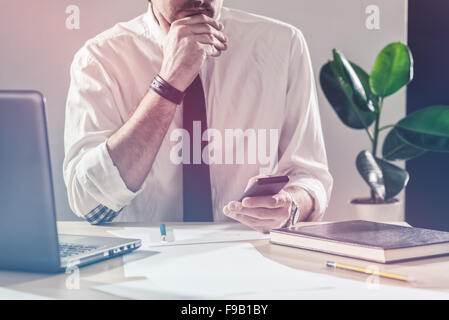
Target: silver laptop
[28,234]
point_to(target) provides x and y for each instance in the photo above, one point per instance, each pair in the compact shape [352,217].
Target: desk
[429,273]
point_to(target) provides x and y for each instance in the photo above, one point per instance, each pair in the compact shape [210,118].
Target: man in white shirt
[128,155]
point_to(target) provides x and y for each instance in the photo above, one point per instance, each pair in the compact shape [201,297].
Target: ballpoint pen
[163,232]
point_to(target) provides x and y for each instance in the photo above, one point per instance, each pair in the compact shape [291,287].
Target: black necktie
[197,199]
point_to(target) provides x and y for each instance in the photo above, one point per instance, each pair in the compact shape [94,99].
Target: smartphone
[268,186]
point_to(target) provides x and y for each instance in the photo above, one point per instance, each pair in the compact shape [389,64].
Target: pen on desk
[163,232]
[334,265]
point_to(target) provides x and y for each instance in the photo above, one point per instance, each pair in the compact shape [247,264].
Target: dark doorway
[427,195]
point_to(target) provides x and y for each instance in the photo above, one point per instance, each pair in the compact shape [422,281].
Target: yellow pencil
[367,271]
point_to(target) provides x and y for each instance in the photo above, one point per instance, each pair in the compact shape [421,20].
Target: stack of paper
[10,294]
[239,271]
[191,234]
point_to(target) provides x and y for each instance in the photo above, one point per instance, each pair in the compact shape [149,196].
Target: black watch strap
[166,90]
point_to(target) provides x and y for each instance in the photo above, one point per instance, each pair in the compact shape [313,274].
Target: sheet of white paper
[239,271]
[215,271]
[10,294]
[190,234]
[350,290]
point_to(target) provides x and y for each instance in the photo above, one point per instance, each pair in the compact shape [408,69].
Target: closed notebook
[379,242]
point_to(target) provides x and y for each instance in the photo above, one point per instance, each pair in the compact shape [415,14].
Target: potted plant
[358,99]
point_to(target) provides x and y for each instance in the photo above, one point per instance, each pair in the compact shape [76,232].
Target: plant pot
[379,211]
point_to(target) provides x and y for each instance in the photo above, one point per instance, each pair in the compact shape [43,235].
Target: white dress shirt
[263,81]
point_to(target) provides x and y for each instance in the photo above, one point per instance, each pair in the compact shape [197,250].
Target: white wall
[37,50]
[328,24]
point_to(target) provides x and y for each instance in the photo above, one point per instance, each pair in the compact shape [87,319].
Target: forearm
[135,145]
[304,200]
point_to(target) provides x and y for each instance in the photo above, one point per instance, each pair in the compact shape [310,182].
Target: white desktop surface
[430,274]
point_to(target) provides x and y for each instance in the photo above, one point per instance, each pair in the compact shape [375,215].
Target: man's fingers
[205,30]
[211,40]
[211,45]
[245,219]
[232,206]
[277,201]
[258,213]
[208,29]
[211,50]
[263,214]
[197,19]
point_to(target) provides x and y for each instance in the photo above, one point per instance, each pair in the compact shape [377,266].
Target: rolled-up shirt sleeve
[301,148]
[92,116]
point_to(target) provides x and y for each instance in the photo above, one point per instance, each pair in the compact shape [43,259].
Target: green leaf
[426,129]
[340,96]
[392,70]
[384,178]
[395,148]
[370,171]
[395,178]
[364,79]
[346,70]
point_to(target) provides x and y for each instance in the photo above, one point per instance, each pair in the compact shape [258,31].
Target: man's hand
[187,45]
[261,213]
[270,212]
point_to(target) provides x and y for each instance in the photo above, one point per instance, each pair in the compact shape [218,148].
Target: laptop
[29,240]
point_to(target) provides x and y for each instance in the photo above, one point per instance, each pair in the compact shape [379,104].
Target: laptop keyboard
[70,249]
